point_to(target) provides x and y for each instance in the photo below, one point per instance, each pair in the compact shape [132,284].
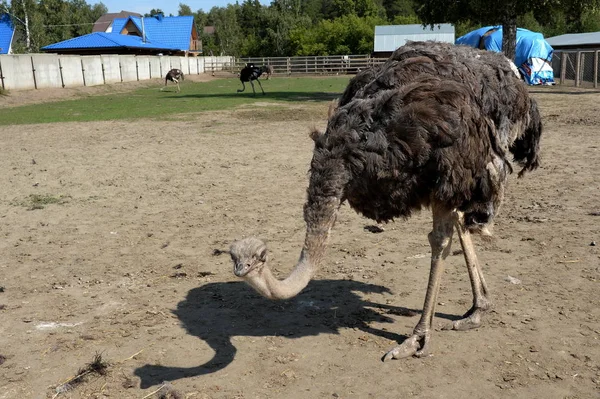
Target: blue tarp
[533,54]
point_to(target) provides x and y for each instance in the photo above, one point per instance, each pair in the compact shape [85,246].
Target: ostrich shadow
[274,95]
[215,312]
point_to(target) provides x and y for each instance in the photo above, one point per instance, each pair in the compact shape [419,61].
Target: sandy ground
[108,232]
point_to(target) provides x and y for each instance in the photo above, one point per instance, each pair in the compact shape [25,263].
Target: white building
[389,37]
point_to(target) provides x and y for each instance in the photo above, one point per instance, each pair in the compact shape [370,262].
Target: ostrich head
[249,256]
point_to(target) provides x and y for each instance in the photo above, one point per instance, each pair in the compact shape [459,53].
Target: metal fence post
[82,70]
[1,77]
[596,69]
[33,71]
[563,67]
[578,69]
[60,71]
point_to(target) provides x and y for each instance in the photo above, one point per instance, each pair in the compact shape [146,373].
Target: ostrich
[432,127]
[174,75]
[268,70]
[248,74]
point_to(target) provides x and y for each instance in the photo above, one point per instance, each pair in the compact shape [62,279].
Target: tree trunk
[27,34]
[509,37]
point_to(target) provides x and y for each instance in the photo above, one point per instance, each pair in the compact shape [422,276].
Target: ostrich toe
[416,345]
[470,320]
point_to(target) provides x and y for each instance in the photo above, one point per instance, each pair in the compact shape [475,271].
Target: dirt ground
[108,232]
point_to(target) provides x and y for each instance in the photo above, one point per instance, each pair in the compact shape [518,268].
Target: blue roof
[7,31]
[174,31]
[108,40]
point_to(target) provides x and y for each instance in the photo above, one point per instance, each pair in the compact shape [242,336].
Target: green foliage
[50,21]
[528,21]
[464,27]
[184,9]
[308,27]
[228,35]
[507,13]
[150,102]
[154,11]
[590,21]
[399,8]
[348,34]
[406,20]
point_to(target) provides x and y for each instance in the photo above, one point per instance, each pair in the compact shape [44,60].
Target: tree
[312,9]
[228,33]
[401,8]
[281,18]
[82,15]
[502,12]
[154,11]
[251,17]
[28,25]
[590,21]
[348,34]
[56,16]
[184,9]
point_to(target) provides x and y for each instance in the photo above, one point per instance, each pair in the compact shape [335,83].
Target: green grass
[194,97]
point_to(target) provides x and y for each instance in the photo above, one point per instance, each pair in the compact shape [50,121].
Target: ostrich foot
[470,320]
[416,345]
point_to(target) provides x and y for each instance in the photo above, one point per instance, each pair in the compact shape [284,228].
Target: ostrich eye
[263,255]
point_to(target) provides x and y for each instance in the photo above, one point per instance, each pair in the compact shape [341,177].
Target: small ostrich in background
[267,70]
[174,75]
[248,74]
[435,126]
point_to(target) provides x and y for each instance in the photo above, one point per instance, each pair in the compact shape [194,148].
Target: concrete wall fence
[40,71]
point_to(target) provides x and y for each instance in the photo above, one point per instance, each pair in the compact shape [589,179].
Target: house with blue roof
[7,32]
[137,35]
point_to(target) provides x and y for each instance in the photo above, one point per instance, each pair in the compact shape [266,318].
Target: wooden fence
[576,68]
[315,65]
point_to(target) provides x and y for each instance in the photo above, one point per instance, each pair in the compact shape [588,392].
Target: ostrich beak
[240,269]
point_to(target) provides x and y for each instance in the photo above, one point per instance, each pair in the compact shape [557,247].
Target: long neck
[310,257]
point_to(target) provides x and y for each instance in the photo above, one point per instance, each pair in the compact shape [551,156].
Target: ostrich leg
[481,303]
[439,239]
[178,89]
[260,84]
[253,91]
[243,88]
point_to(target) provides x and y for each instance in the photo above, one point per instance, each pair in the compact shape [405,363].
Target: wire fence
[576,68]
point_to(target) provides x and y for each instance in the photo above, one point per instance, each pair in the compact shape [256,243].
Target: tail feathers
[526,149]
